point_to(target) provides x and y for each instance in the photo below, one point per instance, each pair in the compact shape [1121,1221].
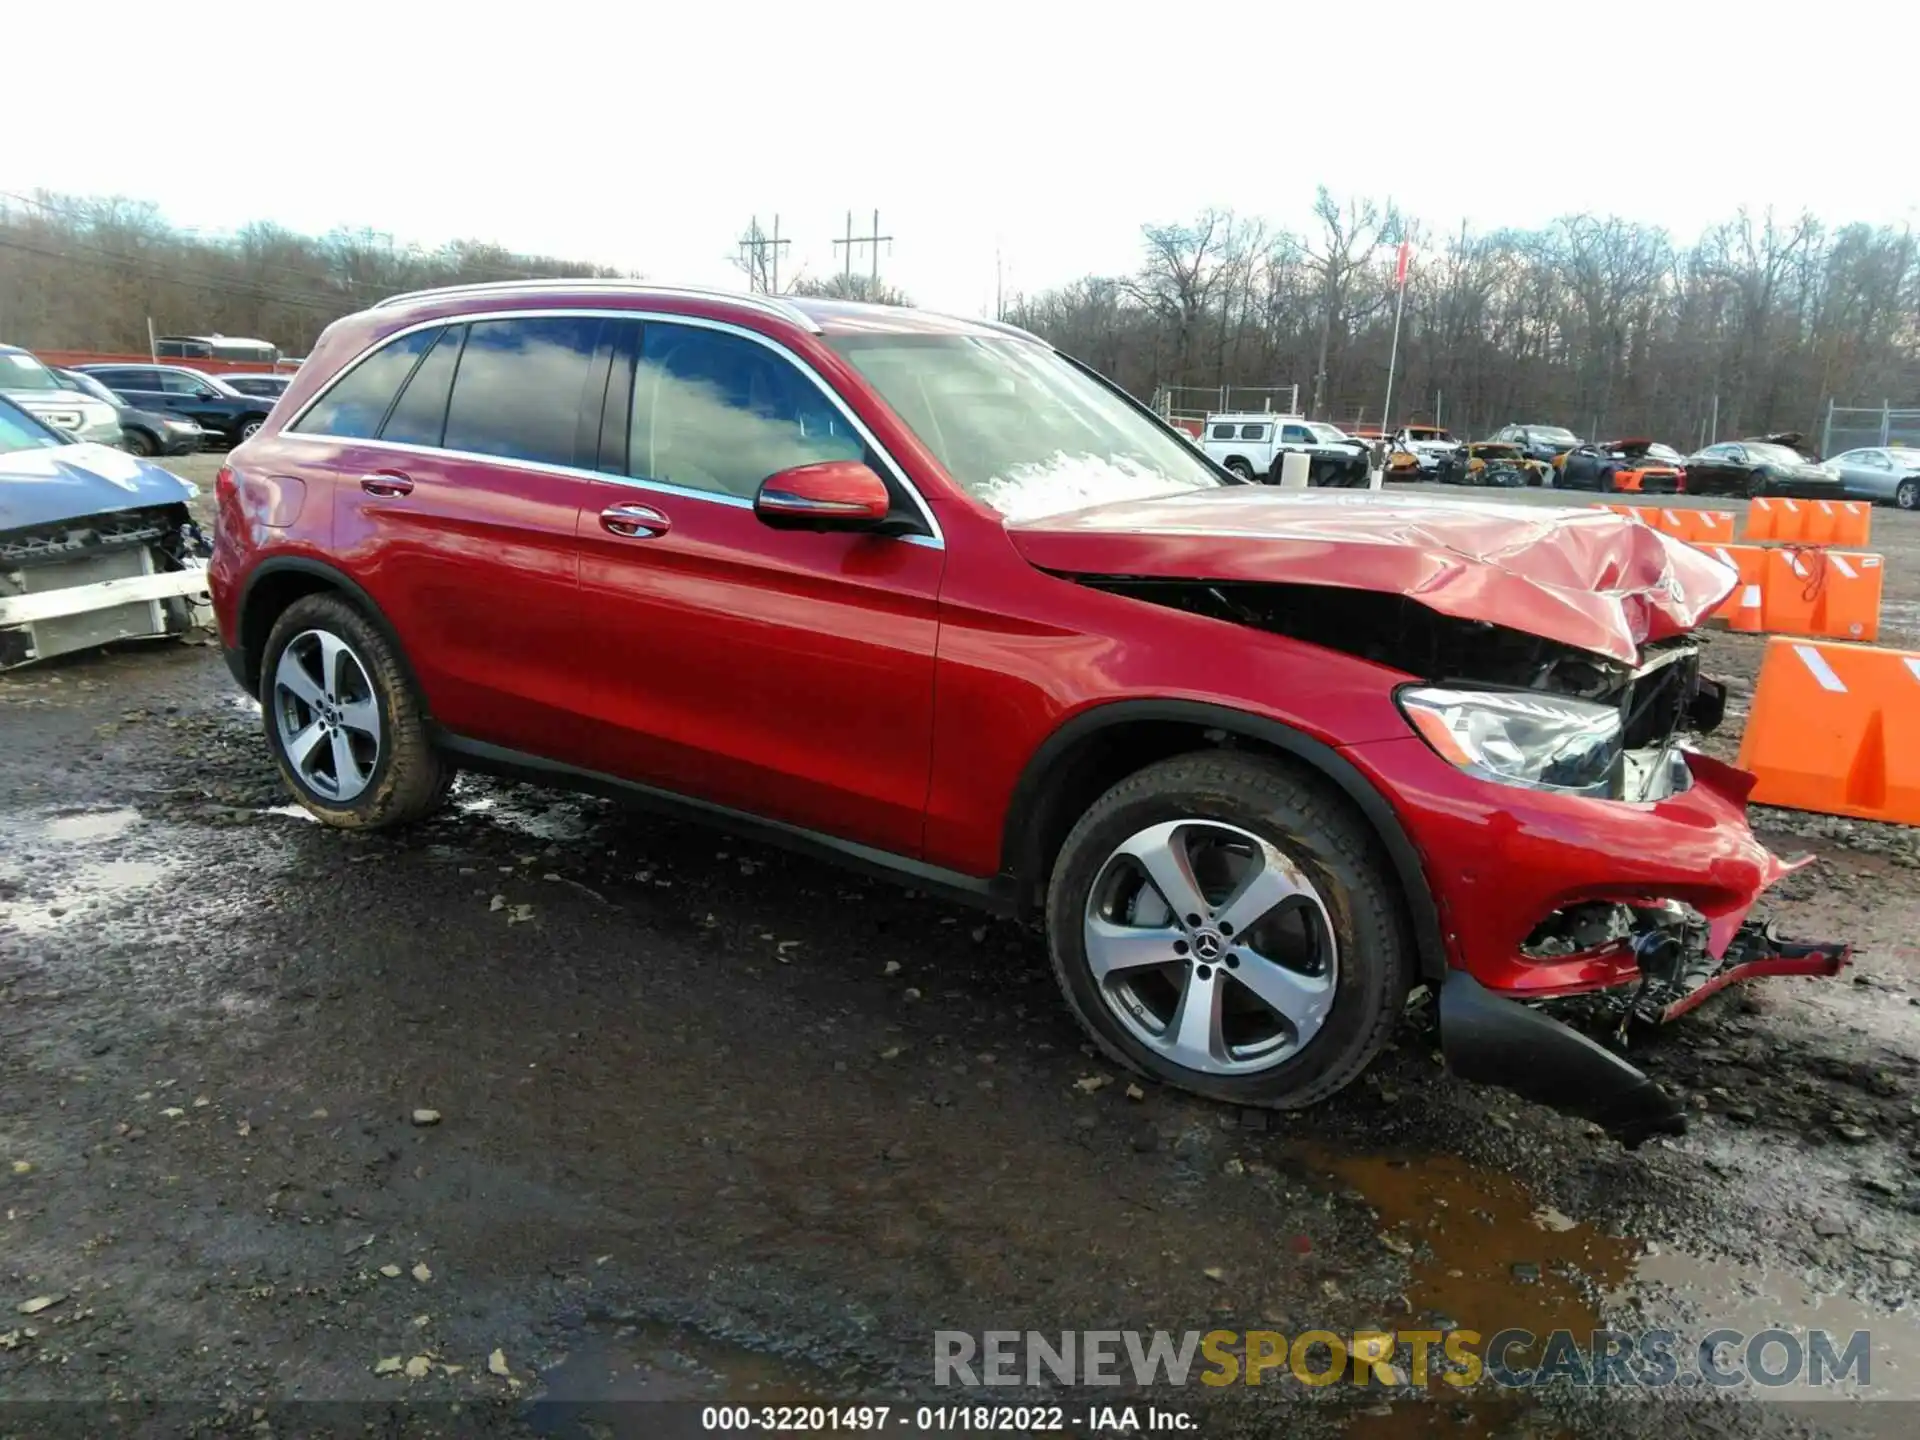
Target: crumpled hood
[68,482]
[1586,578]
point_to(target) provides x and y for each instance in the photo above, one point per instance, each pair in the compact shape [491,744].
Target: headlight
[1542,742]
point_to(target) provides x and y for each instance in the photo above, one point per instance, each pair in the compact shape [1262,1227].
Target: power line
[760,255]
[852,240]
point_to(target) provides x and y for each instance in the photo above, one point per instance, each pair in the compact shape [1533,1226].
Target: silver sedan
[1882,473]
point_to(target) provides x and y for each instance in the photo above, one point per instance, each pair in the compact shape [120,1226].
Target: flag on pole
[1400,275]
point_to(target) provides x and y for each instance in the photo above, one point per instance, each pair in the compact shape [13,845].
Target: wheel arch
[276,583]
[1096,748]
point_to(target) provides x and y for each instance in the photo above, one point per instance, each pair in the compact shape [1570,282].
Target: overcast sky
[647,136]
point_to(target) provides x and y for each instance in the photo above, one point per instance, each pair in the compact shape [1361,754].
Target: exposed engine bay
[68,585]
[1661,699]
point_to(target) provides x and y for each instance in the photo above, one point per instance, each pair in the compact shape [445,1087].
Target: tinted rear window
[358,401]
[520,386]
[420,415]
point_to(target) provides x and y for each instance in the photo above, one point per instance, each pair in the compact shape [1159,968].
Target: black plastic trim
[337,580]
[1020,835]
[995,893]
[1497,1041]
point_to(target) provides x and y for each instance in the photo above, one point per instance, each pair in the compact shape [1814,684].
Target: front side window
[520,386]
[1020,428]
[720,413]
[126,379]
[353,407]
[178,382]
[1297,435]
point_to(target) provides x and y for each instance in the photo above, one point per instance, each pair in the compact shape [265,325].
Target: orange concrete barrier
[1770,519]
[1809,522]
[1821,592]
[1741,610]
[1853,523]
[1836,728]
[1708,527]
[1696,527]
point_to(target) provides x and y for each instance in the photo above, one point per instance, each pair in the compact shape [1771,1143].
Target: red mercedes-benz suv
[931,596]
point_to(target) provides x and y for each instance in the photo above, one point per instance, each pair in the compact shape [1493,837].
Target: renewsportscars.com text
[1645,1359]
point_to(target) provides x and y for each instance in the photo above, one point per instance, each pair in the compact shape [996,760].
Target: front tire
[139,442]
[1907,495]
[1224,923]
[344,724]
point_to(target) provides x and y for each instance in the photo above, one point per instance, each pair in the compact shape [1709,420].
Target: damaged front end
[1545,1006]
[1548,1052]
[95,546]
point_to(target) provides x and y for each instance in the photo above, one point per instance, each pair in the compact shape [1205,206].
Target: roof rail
[1005,329]
[767,304]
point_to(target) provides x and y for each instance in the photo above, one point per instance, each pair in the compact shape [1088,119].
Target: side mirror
[830,495]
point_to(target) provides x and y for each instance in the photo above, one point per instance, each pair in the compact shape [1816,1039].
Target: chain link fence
[1853,427]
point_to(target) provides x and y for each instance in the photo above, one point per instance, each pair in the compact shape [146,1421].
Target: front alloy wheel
[327,716]
[1222,922]
[1907,497]
[1211,947]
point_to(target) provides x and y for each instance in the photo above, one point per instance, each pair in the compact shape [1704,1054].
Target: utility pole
[761,256]
[852,240]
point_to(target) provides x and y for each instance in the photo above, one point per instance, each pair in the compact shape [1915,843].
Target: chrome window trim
[936,538]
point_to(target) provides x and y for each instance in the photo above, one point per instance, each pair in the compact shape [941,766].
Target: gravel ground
[547,1103]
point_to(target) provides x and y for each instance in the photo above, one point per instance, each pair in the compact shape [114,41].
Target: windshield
[1553,435]
[1419,432]
[1328,432]
[1021,429]
[1775,455]
[20,431]
[20,371]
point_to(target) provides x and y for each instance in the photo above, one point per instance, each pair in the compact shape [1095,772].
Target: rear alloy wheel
[1907,496]
[1240,468]
[347,732]
[1756,484]
[1222,923]
[250,429]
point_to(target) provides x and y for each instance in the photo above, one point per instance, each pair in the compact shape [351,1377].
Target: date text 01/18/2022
[942,1419]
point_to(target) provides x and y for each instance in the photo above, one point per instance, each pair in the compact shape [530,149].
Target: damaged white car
[96,545]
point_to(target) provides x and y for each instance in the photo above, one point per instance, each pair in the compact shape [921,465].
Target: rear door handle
[386,483]
[635,522]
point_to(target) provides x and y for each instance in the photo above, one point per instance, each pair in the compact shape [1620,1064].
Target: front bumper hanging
[1521,1047]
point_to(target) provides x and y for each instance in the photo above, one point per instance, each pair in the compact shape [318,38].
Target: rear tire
[1342,953]
[345,726]
[1240,468]
[248,429]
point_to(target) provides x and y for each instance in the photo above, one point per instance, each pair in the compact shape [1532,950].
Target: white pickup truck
[1251,444]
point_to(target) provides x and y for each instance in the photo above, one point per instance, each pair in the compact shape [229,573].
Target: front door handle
[386,483]
[635,522]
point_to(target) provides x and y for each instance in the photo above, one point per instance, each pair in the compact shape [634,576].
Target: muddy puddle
[52,870]
[535,814]
[612,1378]
[1484,1255]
